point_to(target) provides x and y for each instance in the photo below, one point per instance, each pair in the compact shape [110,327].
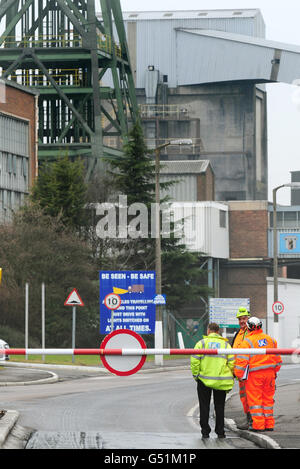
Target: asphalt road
[152,410]
[146,410]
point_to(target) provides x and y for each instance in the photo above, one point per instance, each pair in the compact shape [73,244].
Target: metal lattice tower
[60,47]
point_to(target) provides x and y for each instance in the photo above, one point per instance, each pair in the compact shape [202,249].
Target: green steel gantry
[80,65]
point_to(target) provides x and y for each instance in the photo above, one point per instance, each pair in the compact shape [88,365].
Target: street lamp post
[158,315]
[294,185]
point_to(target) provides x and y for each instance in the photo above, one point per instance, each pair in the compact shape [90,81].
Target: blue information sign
[137,290]
[289,243]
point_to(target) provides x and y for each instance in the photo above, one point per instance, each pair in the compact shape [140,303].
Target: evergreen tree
[60,190]
[134,176]
[134,173]
[38,248]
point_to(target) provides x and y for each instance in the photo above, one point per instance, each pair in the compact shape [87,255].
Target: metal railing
[63,77]
[164,111]
[46,40]
[104,42]
[194,148]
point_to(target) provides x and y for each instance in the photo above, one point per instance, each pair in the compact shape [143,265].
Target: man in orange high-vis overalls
[242,315]
[260,383]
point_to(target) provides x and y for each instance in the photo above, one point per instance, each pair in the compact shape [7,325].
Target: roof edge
[13,84]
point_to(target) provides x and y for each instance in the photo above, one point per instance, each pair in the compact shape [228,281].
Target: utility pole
[158,316]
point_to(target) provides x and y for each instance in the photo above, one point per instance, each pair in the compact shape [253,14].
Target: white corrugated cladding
[14,135]
[212,56]
[197,47]
[157,39]
[185,173]
[14,163]
[184,189]
[201,227]
[209,57]
[289,69]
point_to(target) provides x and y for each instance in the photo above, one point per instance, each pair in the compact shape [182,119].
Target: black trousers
[204,396]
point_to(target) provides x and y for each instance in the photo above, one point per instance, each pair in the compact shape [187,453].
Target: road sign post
[26,315]
[74,300]
[43,319]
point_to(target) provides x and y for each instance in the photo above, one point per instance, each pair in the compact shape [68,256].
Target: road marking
[192,410]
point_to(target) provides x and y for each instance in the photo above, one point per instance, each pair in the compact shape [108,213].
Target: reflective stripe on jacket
[215,371]
[257,339]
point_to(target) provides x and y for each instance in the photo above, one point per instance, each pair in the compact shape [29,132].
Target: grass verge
[78,360]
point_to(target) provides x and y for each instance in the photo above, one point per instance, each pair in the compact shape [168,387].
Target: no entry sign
[277,307]
[118,364]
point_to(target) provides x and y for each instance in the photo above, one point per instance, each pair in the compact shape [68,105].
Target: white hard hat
[254,324]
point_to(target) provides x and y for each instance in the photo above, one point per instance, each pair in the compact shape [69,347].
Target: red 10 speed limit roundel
[112,301]
[278,307]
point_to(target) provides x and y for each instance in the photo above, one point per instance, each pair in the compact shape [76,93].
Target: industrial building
[18,145]
[197,74]
[200,74]
[190,83]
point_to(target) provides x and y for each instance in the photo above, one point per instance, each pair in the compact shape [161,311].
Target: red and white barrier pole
[138,352]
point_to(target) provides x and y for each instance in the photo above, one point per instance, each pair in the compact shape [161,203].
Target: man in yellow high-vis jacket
[213,374]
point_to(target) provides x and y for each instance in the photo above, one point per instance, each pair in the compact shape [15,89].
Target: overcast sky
[282,20]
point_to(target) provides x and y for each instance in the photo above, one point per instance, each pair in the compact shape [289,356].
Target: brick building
[244,274]
[18,145]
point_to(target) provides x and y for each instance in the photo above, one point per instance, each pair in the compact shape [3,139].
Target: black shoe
[205,436]
[269,429]
[256,429]
[222,436]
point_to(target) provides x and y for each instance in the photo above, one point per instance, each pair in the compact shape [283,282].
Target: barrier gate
[123,352]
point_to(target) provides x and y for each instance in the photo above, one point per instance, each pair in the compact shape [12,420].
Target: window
[222,218]
[4,200]
[24,167]
[14,164]
[194,218]
[15,134]
[9,163]
[290,219]
[286,219]
[280,222]
[9,199]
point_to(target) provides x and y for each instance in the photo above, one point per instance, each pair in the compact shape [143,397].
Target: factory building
[18,145]
[202,75]
[191,84]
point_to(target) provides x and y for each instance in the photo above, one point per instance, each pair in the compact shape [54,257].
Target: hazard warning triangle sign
[74,299]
